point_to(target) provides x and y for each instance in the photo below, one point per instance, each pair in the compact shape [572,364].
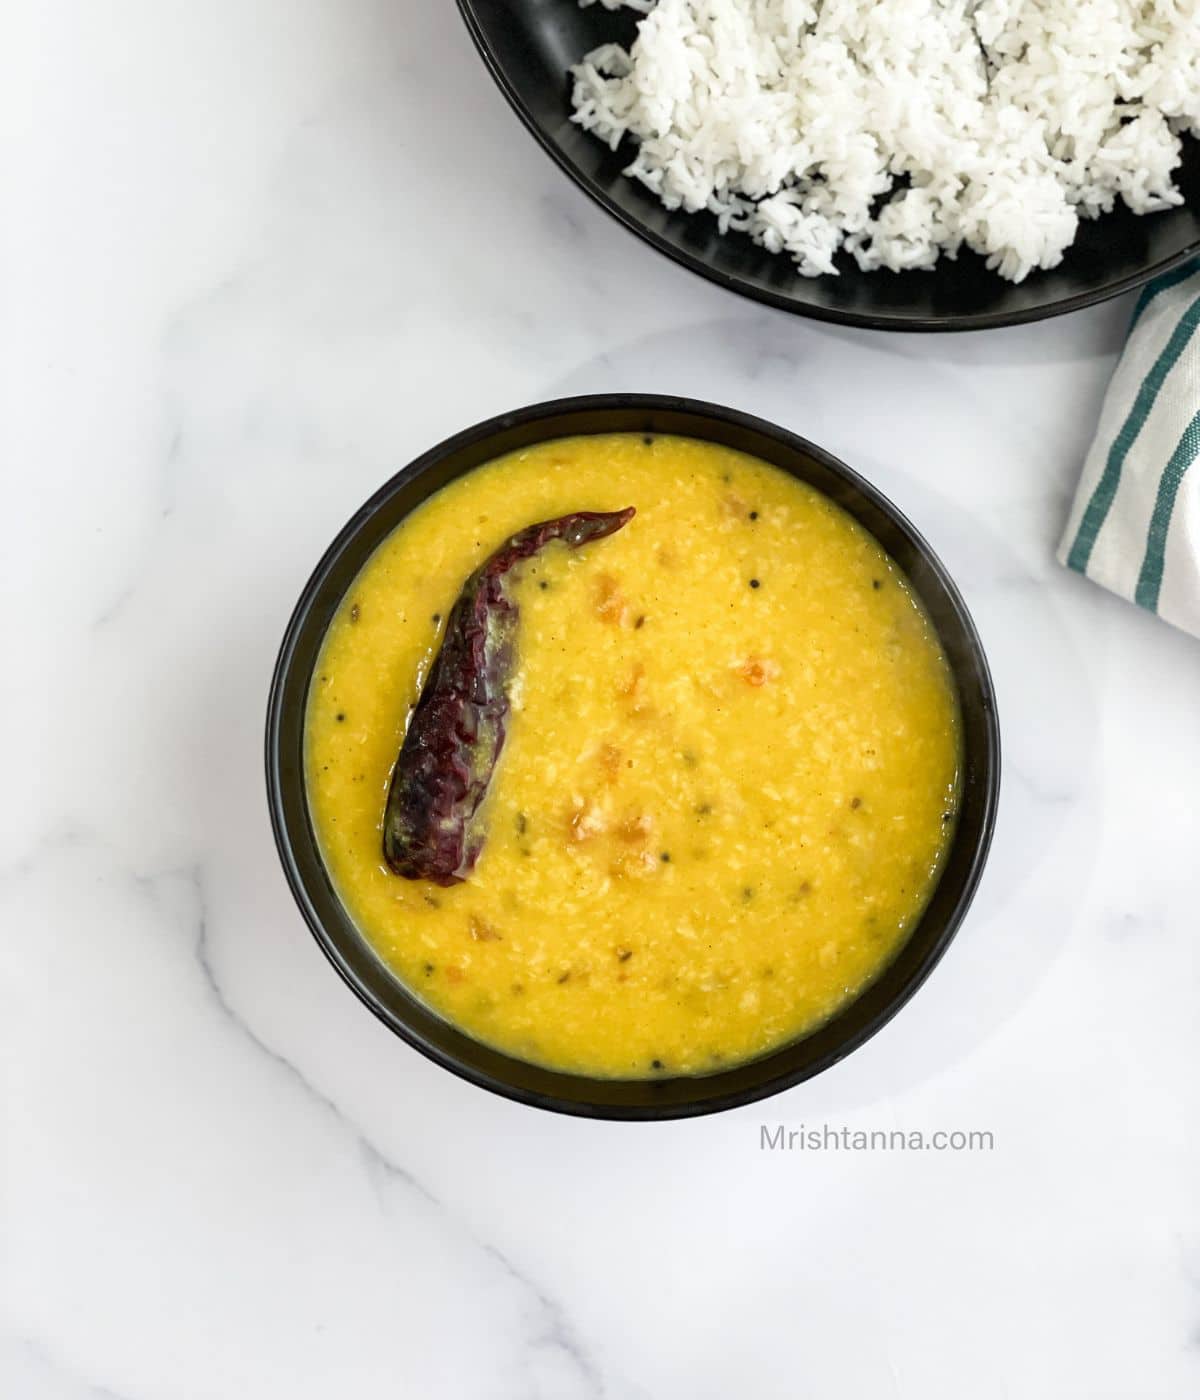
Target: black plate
[388,998]
[528,46]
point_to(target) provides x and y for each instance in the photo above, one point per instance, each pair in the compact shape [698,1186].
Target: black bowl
[416,1023]
[528,46]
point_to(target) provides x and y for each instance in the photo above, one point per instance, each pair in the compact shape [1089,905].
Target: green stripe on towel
[1150,579]
[1096,511]
[1162,284]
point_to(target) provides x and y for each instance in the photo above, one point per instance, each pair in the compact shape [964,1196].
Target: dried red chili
[430,827]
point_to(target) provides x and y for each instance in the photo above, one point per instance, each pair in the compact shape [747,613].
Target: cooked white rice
[900,130]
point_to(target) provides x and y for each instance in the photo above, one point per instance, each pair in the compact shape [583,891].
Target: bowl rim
[956,322]
[476,436]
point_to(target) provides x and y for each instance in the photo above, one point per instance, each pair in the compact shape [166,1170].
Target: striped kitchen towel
[1135,524]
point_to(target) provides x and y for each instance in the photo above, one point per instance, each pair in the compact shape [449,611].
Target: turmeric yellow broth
[730,775]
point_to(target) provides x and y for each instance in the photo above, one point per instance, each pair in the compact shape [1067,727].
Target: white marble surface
[256,256]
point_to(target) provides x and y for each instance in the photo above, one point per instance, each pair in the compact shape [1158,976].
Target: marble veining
[259,257]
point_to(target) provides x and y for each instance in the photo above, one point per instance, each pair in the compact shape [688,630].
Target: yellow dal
[721,807]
